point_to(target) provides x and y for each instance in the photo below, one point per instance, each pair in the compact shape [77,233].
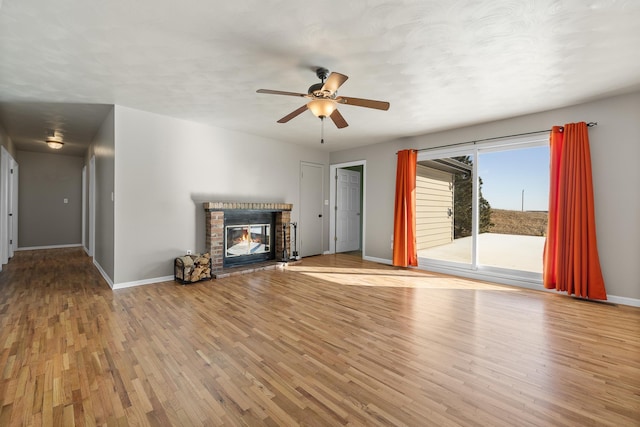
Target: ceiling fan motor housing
[316,89]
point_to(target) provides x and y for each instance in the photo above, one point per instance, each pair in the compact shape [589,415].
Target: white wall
[6,142]
[103,147]
[615,150]
[45,180]
[165,168]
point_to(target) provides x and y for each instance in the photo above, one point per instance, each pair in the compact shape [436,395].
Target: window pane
[515,183]
[444,209]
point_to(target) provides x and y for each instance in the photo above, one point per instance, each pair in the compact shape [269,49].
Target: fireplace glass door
[248,239]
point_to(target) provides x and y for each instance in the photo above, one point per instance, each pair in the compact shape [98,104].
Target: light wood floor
[332,341]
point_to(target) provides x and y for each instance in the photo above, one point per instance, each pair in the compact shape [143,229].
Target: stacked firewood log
[192,268]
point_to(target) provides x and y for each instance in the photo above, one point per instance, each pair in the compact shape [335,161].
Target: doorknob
[319,215]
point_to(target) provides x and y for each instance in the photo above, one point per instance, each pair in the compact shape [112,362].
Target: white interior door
[311,209]
[13,208]
[347,210]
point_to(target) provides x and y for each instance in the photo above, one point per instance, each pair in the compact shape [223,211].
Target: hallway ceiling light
[54,140]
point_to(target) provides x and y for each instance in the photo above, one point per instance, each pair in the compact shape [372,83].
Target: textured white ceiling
[441,64]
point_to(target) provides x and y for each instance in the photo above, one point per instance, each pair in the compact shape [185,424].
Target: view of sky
[506,173]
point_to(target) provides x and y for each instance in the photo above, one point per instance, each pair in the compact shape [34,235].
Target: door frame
[84,208]
[92,207]
[333,193]
[13,207]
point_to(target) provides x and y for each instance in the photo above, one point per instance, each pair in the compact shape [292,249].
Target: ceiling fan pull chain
[322,130]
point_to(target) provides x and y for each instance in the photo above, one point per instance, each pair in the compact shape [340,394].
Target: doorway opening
[347,214]
[8,206]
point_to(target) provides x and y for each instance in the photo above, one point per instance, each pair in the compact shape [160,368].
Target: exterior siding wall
[434,197]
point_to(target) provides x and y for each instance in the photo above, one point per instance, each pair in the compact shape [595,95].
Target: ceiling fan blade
[280,92]
[290,116]
[338,119]
[334,81]
[359,102]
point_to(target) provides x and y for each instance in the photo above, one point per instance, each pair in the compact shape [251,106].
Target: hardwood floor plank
[334,340]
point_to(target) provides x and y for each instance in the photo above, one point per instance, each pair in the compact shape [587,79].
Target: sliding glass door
[484,207]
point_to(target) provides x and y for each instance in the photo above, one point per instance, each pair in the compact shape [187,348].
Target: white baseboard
[104,275]
[378,260]
[634,302]
[124,285]
[35,248]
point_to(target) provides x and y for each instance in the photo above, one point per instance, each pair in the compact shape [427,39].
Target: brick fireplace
[219,228]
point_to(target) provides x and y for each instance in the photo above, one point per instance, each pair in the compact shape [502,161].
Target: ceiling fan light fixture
[322,107]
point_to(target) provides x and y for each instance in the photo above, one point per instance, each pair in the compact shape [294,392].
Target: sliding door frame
[474,269]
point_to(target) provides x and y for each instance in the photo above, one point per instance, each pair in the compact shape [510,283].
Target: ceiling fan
[324,99]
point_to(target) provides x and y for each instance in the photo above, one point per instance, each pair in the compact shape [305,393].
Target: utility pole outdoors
[523,200]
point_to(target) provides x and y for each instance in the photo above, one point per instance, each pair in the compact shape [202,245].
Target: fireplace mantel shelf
[218,206]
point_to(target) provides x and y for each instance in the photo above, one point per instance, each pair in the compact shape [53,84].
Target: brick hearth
[214,212]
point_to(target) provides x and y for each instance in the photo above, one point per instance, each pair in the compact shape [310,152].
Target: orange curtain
[556,141]
[404,221]
[571,261]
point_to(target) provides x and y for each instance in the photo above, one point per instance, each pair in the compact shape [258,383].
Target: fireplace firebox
[248,237]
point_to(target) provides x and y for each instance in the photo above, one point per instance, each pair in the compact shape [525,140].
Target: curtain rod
[590,124]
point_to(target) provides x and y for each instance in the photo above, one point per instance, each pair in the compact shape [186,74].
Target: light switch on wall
[65,200]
